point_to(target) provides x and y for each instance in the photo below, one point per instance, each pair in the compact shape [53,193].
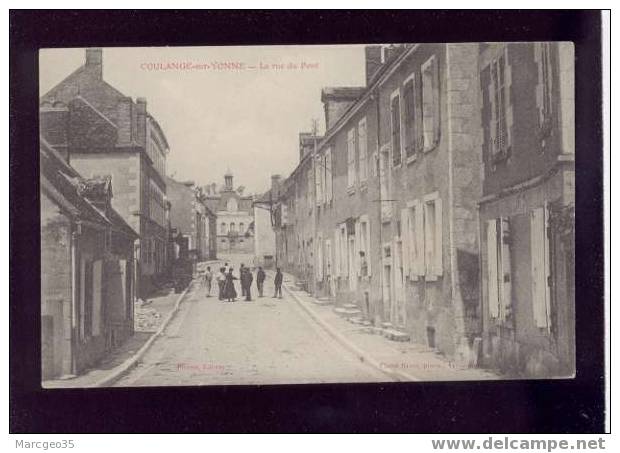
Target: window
[433,237]
[500,107]
[363,244]
[319,259]
[319,178]
[344,262]
[223,228]
[541,269]
[413,229]
[542,55]
[233,227]
[363,143]
[351,158]
[231,205]
[499,291]
[413,138]
[328,176]
[241,228]
[430,103]
[395,125]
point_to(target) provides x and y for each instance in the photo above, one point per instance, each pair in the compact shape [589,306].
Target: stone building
[527,207]
[234,216]
[393,188]
[192,222]
[99,131]
[87,269]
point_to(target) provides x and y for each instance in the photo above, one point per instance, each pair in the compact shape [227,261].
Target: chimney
[141,121]
[306,143]
[124,121]
[374,61]
[276,180]
[336,101]
[94,62]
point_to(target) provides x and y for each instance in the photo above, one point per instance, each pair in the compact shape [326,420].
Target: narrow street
[266,341]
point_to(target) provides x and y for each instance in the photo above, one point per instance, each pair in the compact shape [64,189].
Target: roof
[63,184]
[342,93]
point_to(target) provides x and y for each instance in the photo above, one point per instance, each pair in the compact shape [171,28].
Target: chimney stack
[141,121]
[336,101]
[94,62]
[124,121]
[374,61]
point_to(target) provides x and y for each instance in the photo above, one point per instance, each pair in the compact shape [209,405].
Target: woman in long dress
[229,286]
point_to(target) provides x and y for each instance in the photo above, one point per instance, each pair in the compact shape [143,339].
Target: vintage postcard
[307,214]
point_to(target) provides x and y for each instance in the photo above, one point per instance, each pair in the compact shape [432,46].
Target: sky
[234,110]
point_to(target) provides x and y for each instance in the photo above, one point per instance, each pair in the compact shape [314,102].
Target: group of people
[226,286]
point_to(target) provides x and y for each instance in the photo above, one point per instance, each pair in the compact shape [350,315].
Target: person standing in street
[208,281]
[229,286]
[278,284]
[221,280]
[260,281]
[247,284]
[242,270]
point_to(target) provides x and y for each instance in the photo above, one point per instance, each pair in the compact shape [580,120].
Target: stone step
[322,301]
[387,325]
[395,335]
[356,320]
[346,312]
[350,306]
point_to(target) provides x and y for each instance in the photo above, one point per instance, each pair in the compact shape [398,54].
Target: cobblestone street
[266,341]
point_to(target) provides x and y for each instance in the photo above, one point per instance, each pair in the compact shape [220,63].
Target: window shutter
[412,243]
[507,97]
[368,255]
[538,249]
[427,107]
[404,229]
[493,105]
[538,58]
[438,255]
[97,278]
[429,243]
[358,248]
[319,258]
[493,290]
[505,277]
[436,106]
[419,238]
[328,174]
[337,252]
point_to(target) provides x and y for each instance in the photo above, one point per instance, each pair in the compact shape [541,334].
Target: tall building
[101,131]
[87,278]
[393,209]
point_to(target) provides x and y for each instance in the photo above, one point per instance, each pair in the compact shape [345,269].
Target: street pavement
[266,341]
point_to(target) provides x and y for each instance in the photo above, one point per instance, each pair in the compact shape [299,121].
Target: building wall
[56,290]
[538,174]
[264,237]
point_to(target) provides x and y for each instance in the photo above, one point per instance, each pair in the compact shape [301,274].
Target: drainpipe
[74,293]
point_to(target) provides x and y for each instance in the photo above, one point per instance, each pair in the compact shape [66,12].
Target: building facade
[527,208]
[87,269]
[385,211]
[234,217]
[102,131]
[191,220]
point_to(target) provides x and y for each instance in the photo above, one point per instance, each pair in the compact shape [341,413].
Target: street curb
[128,364]
[361,355]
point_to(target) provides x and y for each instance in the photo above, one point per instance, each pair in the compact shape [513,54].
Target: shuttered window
[328,175]
[544,104]
[395,126]
[351,158]
[97,280]
[430,103]
[363,144]
[500,106]
[499,274]
[539,248]
[433,258]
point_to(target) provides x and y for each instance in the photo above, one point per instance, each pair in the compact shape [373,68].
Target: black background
[549,406]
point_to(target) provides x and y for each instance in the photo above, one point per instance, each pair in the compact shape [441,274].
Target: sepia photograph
[307,214]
